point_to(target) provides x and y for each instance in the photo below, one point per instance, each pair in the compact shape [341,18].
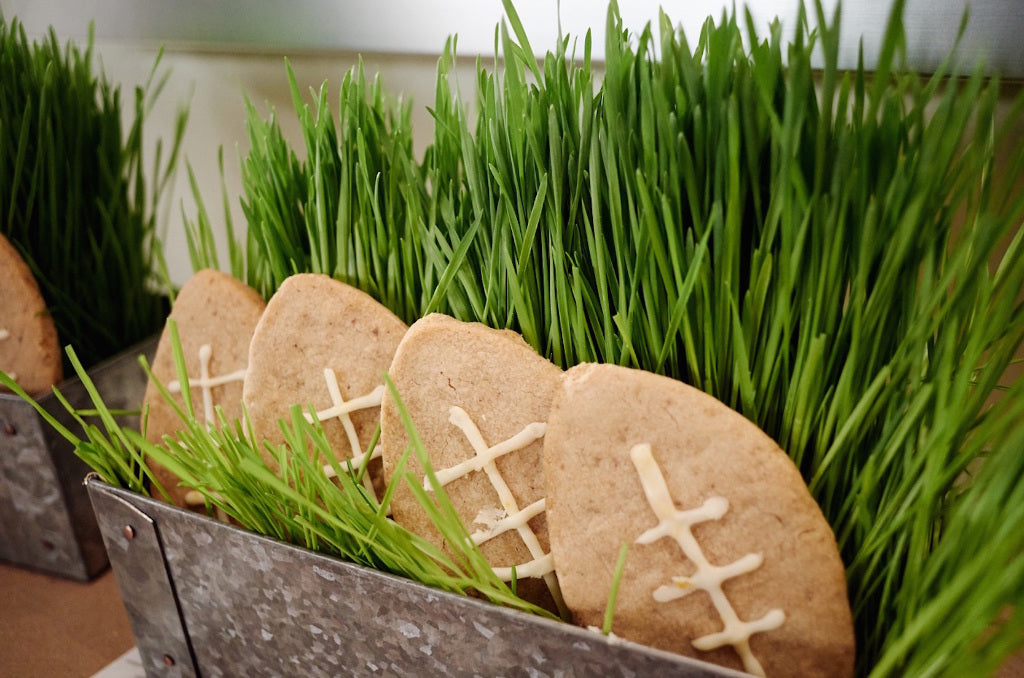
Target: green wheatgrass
[837,255]
[76,200]
[299,502]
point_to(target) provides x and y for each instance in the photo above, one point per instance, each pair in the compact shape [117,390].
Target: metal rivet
[168,660]
[128,532]
[9,429]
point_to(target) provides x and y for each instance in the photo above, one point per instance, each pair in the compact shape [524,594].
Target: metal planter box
[208,599]
[46,522]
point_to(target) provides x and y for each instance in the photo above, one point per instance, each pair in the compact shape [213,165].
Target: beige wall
[213,85]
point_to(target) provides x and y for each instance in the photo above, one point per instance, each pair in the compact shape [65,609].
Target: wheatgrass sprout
[107,447]
[299,503]
[75,197]
[352,210]
[837,255]
[295,501]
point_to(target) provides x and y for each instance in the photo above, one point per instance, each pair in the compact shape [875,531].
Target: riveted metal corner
[255,606]
[147,590]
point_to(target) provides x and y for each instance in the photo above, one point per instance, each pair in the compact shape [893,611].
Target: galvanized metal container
[46,522]
[206,598]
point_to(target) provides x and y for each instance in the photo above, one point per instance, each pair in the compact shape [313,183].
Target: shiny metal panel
[46,522]
[134,548]
[35,528]
[255,606]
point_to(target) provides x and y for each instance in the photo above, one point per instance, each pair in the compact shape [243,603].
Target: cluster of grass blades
[818,249]
[76,199]
[837,255]
[294,500]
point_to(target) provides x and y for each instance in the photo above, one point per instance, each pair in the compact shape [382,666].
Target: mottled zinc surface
[146,590]
[46,522]
[35,529]
[251,605]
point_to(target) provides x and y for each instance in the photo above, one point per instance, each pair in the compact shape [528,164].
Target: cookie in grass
[479,401]
[29,350]
[326,345]
[216,315]
[729,558]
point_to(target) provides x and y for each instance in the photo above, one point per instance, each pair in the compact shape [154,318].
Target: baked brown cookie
[730,559]
[29,351]
[479,400]
[324,344]
[215,315]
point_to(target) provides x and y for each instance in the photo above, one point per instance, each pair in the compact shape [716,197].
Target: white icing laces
[341,408]
[206,381]
[707,577]
[509,517]
[4,335]
[194,498]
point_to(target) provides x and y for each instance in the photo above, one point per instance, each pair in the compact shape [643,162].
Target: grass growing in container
[76,199]
[300,503]
[834,254]
[784,238]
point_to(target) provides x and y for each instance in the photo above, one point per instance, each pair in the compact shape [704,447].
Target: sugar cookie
[479,399]
[730,559]
[29,351]
[215,315]
[323,343]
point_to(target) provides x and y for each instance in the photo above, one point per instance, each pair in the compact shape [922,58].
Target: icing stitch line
[507,523]
[4,335]
[207,382]
[536,568]
[542,565]
[707,577]
[484,455]
[340,409]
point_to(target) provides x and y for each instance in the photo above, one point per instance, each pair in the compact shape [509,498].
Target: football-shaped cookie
[29,351]
[324,344]
[479,400]
[729,558]
[215,315]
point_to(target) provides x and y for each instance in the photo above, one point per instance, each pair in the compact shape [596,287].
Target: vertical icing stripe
[508,523]
[206,381]
[340,409]
[707,577]
[484,454]
[483,459]
[4,335]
